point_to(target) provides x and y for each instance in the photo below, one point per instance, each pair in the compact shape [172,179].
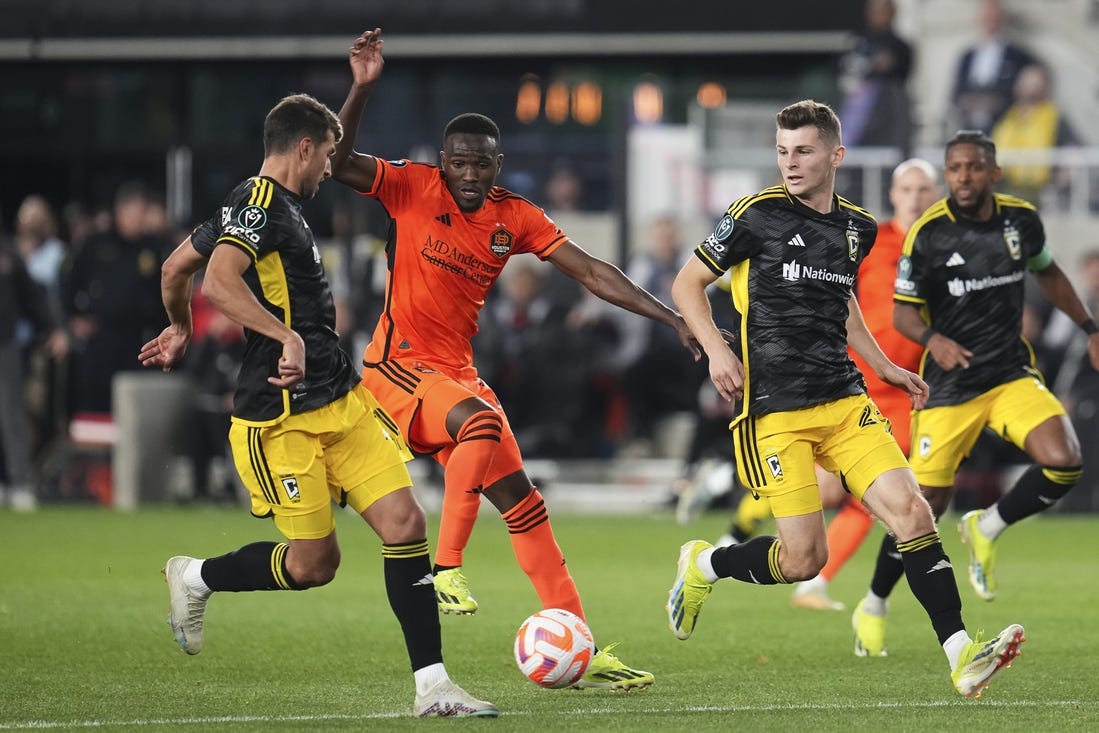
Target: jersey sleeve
[204,237]
[909,286]
[540,235]
[395,181]
[1035,247]
[731,241]
[249,221]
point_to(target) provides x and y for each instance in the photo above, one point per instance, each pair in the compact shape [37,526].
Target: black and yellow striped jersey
[968,278]
[792,270]
[265,220]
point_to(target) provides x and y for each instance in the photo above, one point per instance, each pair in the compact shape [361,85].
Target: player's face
[807,162]
[970,176]
[470,165]
[318,166]
[911,193]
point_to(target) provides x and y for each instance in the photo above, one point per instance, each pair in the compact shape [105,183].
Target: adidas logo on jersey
[796,241]
[955,260]
[444,218]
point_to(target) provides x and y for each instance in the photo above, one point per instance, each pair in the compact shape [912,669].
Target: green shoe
[452,592]
[982,556]
[688,592]
[982,659]
[869,633]
[607,672]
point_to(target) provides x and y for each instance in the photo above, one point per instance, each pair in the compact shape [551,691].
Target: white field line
[231,719]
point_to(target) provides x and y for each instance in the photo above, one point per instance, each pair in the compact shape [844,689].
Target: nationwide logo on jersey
[796,241]
[500,242]
[794,271]
[956,260]
[252,217]
[852,241]
[956,287]
[776,467]
[1012,240]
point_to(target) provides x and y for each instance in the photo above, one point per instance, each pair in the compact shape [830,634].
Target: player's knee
[404,523]
[314,571]
[506,493]
[805,567]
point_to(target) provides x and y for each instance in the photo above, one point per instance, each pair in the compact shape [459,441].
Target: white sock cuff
[429,676]
[704,564]
[192,576]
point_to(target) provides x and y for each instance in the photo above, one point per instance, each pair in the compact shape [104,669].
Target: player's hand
[917,389]
[727,374]
[1093,350]
[690,343]
[291,363]
[166,349]
[366,59]
[948,353]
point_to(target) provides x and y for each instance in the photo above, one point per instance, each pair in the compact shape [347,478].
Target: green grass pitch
[84,643]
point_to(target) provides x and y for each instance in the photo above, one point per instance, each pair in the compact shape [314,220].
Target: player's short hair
[473,124]
[973,137]
[297,116]
[809,113]
[919,163]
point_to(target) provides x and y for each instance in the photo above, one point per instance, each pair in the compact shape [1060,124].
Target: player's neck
[280,169]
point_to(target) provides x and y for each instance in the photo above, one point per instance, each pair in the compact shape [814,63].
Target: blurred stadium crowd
[79,273]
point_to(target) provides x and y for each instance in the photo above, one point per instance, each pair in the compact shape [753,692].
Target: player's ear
[305,148]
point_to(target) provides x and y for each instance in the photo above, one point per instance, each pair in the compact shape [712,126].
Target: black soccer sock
[258,566]
[755,561]
[1037,489]
[888,569]
[412,598]
[931,578]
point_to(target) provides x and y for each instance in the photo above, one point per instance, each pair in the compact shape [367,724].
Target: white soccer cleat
[446,700]
[187,607]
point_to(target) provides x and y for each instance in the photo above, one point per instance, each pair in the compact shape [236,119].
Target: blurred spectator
[657,377]
[1033,122]
[533,357]
[564,190]
[111,296]
[986,72]
[20,299]
[213,361]
[43,253]
[876,108]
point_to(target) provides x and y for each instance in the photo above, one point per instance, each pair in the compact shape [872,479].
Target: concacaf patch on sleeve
[252,217]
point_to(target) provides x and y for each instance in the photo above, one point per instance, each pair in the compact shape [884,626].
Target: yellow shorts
[943,436]
[349,451]
[775,453]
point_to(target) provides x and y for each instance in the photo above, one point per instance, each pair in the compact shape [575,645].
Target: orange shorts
[419,399]
[897,408]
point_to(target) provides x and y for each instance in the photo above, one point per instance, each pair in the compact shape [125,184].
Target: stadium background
[98,93]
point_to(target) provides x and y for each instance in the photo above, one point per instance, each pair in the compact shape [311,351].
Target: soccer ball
[553,648]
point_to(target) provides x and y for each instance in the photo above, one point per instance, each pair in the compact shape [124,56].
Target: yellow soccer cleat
[982,556]
[982,659]
[689,591]
[452,593]
[607,672]
[869,633]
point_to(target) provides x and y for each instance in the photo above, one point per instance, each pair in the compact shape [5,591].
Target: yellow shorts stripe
[260,469]
[749,452]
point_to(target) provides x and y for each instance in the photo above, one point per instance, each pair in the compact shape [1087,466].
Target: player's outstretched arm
[863,342]
[946,352]
[1058,288]
[365,58]
[609,283]
[689,293]
[177,276]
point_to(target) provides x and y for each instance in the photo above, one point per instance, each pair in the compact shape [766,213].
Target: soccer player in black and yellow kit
[959,293]
[305,431]
[794,252]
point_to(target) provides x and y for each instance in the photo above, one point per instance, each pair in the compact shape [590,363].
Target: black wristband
[1089,327]
[926,336]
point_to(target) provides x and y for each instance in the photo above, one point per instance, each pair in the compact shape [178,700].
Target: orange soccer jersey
[442,263]
[875,292]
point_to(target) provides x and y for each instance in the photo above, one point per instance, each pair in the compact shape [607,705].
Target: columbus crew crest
[500,242]
[852,242]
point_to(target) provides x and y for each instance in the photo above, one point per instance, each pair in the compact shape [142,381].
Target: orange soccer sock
[464,474]
[539,555]
[846,532]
